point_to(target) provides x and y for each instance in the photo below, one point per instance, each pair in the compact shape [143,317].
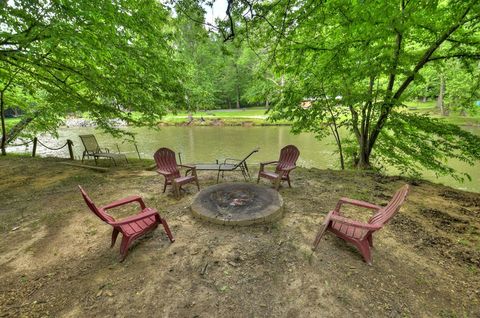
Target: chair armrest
[135,218]
[190,168]
[263,164]
[344,220]
[124,201]
[359,203]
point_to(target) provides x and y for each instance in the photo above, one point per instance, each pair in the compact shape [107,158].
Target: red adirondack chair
[168,167]
[360,233]
[131,227]
[286,163]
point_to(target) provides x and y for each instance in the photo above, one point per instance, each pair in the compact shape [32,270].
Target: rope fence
[36,142]
[68,144]
[50,148]
[23,144]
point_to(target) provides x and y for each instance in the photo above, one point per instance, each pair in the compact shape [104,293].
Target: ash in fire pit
[238,204]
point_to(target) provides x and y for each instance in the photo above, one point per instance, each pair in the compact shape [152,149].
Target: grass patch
[10,122]
[430,108]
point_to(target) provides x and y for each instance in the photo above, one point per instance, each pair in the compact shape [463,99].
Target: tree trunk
[441,95]
[237,86]
[237,89]
[4,130]
[363,162]
[336,134]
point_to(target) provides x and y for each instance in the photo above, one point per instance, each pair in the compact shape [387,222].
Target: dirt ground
[55,259]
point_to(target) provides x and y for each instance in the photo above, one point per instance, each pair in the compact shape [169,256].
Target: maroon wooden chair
[360,233]
[131,227]
[168,167]
[286,163]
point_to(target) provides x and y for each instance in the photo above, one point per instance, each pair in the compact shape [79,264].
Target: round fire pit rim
[269,213]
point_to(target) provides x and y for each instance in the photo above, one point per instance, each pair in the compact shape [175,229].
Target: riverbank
[55,258]
[257,116]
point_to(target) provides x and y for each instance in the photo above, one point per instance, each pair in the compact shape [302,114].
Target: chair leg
[95,158]
[277,183]
[124,247]
[288,180]
[242,169]
[165,185]
[218,175]
[114,237]
[364,249]
[258,178]
[319,236]
[198,185]
[370,239]
[167,230]
[247,172]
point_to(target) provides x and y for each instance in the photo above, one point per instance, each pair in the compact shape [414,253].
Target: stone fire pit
[238,204]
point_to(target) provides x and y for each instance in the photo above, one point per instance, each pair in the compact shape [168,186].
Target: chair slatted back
[90,143]
[288,157]
[102,215]
[165,160]
[386,213]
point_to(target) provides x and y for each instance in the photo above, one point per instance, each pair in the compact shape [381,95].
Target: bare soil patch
[55,258]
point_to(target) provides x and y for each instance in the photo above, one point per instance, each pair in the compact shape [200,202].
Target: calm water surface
[206,144]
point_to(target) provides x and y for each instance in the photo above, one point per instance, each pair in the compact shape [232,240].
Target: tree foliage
[369,54]
[107,58]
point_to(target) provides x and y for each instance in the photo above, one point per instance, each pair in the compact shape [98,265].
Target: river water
[206,144]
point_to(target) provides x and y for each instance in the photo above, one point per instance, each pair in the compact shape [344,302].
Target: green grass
[256,116]
[10,122]
[430,108]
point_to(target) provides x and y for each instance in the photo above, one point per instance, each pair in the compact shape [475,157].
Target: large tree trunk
[4,130]
[364,157]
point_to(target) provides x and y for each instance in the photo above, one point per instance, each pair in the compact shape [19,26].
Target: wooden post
[34,146]
[70,148]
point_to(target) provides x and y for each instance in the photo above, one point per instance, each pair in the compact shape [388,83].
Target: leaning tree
[354,62]
[107,58]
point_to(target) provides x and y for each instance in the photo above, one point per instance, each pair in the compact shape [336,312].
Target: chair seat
[136,227]
[348,230]
[184,180]
[270,175]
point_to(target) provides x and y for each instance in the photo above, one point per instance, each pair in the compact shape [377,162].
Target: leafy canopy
[107,58]
[367,54]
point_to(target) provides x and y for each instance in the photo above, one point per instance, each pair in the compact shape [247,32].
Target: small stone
[15,228]
[99,293]
[233,264]
[109,293]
